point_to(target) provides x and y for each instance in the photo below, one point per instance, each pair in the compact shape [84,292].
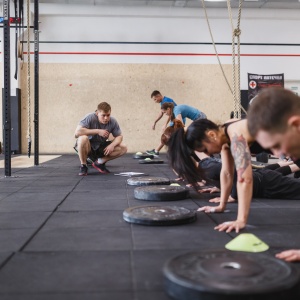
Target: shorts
[98,153]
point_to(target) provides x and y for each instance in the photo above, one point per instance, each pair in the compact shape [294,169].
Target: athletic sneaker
[83,170]
[107,171]
[153,152]
[100,167]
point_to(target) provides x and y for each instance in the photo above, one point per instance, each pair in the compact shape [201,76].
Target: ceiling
[279,4]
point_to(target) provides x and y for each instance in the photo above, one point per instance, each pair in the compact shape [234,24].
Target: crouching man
[92,135]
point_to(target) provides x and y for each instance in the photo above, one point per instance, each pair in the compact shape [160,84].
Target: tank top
[226,125]
[255,147]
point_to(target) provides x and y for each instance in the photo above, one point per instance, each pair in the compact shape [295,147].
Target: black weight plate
[143,156]
[161,193]
[262,157]
[152,161]
[148,181]
[159,215]
[229,275]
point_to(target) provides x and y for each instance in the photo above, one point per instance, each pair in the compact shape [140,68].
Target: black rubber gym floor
[63,236]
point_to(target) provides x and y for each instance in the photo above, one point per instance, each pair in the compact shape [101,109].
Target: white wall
[181,25]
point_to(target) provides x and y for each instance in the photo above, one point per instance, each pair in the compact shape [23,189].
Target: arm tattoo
[240,153]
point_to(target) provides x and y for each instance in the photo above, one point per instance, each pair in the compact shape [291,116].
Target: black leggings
[269,182]
[273,185]
[213,168]
[285,170]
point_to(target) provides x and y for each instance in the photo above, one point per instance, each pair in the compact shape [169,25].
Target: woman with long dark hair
[231,141]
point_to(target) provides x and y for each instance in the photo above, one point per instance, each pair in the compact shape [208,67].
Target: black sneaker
[107,171]
[83,170]
[100,167]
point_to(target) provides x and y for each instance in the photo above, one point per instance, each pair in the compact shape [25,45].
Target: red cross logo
[252,84]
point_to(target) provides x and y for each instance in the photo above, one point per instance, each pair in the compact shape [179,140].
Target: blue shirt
[166,99]
[187,111]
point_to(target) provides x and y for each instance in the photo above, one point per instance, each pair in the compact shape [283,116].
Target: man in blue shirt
[157,97]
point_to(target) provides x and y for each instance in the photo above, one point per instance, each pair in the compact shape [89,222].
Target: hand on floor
[210,190]
[199,183]
[211,209]
[289,255]
[229,226]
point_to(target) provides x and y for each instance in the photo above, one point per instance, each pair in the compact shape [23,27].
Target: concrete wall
[120,55]
[69,91]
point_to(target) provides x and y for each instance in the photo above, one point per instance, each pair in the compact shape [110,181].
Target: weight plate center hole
[231,265]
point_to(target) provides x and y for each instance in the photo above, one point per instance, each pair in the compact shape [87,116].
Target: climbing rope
[212,38]
[28,79]
[236,78]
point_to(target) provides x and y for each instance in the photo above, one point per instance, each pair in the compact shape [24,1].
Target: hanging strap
[16,38]
[28,78]
[21,31]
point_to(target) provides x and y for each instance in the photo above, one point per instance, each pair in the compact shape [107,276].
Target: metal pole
[36,82]
[6,92]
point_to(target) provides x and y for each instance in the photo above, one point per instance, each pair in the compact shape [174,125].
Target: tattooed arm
[242,159]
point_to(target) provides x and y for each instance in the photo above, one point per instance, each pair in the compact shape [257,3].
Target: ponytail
[181,146]
[172,118]
[177,124]
[179,156]
[165,137]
